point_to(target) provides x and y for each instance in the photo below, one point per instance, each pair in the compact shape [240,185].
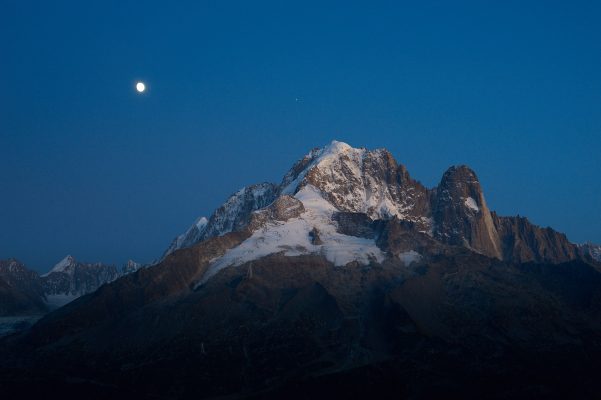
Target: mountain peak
[131,266]
[460,173]
[336,146]
[461,185]
[462,214]
[63,264]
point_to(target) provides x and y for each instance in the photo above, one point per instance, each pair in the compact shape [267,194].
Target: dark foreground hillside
[459,325]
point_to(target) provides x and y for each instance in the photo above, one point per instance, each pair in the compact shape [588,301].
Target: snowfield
[292,238]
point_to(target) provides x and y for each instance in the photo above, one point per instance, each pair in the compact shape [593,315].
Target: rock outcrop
[282,209]
[461,216]
[523,241]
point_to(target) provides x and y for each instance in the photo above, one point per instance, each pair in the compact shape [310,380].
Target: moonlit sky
[94,169]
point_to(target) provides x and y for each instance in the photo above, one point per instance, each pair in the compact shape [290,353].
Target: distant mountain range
[25,292]
[349,278]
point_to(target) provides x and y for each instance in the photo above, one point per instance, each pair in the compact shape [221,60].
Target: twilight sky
[91,168]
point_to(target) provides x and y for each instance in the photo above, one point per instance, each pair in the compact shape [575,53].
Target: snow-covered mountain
[26,292]
[69,279]
[232,215]
[336,202]
[341,180]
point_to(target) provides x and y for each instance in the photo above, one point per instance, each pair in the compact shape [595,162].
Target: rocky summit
[349,278]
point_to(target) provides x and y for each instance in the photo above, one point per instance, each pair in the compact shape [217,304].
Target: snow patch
[471,204]
[409,257]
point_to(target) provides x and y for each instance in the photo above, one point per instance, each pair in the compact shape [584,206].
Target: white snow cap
[324,157]
[62,265]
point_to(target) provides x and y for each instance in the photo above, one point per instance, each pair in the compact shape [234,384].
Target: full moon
[140,87]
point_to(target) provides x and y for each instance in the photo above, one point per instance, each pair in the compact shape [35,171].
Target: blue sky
[93,169]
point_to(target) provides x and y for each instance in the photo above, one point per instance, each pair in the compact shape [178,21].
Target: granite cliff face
[523,241]
[461,215]
[462,218]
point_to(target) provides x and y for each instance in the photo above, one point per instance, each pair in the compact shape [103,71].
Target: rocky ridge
[343,179]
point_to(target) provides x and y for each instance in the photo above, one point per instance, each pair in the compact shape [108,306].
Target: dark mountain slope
[280,320]
[21,290]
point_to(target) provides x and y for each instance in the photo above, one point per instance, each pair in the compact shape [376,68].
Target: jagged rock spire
[461,215]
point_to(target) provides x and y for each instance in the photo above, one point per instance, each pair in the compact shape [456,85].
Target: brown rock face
[523,242]
[355,224]
[417,199]
[395,237]
[462,218]
[282,209]
[461,215]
